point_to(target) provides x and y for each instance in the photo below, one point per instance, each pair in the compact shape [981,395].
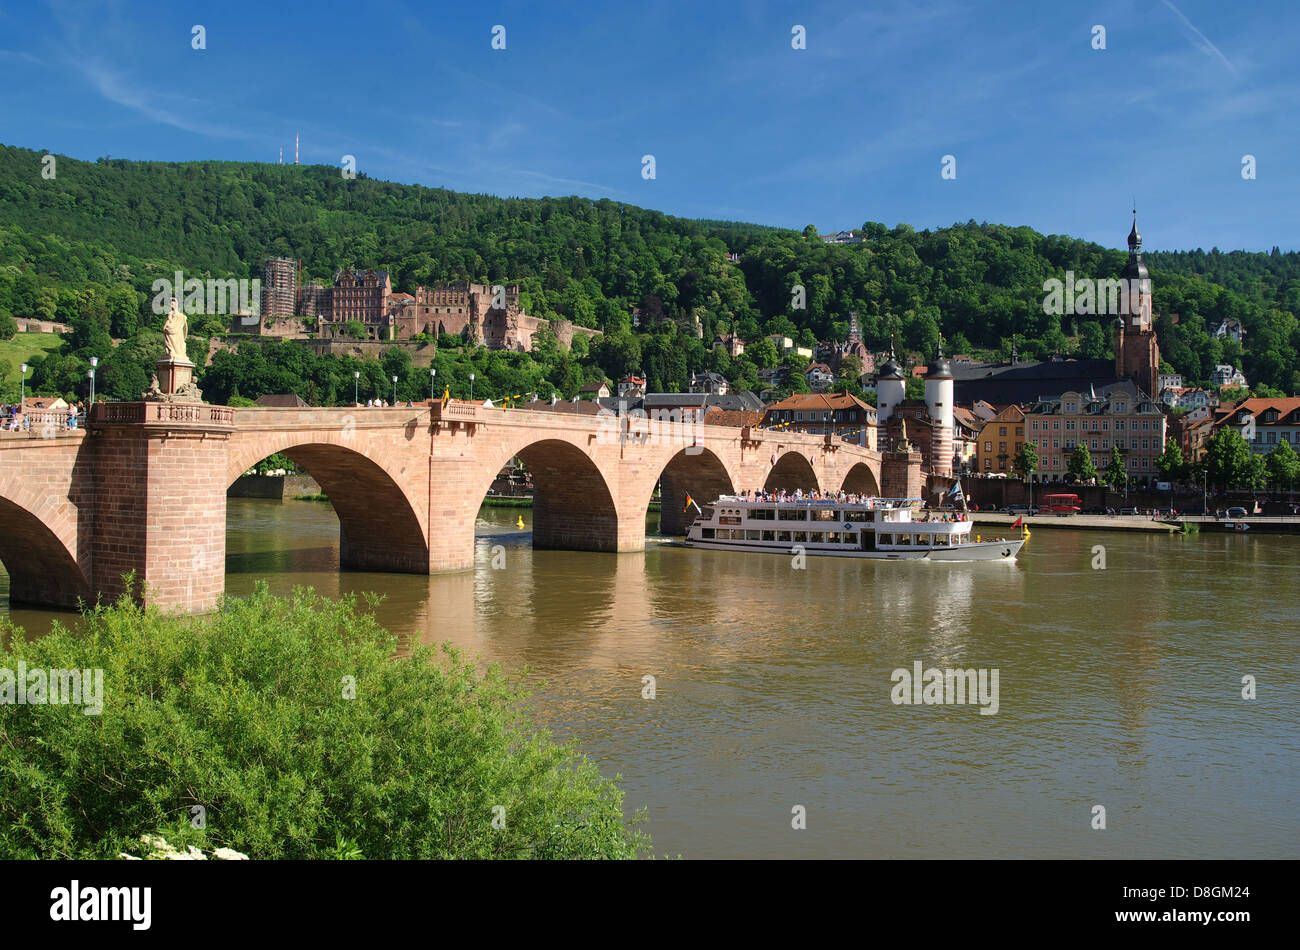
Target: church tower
[1136,354]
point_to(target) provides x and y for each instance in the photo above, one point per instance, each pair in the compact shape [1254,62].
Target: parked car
[1236,513]
[1096,510]
[1128,511]
[1021,510]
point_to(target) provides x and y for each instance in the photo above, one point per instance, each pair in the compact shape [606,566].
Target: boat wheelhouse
[878,528]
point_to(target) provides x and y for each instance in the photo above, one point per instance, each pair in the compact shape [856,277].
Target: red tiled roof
[817,401]
[736,418]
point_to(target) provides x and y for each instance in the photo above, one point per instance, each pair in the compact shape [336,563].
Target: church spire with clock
[1137,356]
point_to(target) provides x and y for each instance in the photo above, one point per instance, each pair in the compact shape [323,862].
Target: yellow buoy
[521,521]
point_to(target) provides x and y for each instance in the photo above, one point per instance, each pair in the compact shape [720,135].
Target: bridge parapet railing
[140,413]
[454,412]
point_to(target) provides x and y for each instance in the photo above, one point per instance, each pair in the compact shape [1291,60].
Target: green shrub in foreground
[243,712]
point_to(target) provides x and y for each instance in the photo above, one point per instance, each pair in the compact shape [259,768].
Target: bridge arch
[792,471]
[861,480]
[38,551]
[379,527]
[573,506]
[694,471]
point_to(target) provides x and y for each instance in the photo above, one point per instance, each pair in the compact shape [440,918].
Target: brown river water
[1119,687]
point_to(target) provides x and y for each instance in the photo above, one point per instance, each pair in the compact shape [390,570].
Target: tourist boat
[876,528]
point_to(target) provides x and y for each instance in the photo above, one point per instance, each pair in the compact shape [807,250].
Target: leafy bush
[243,712]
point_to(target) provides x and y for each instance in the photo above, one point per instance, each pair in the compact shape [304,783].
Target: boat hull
[975,551]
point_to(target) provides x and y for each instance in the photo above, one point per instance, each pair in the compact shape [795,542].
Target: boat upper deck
[860,502]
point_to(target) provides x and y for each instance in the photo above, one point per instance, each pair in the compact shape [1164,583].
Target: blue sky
[1046,131]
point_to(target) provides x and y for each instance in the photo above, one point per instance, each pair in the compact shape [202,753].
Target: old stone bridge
[143,490]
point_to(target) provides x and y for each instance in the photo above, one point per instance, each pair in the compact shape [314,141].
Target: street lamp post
[394,390]
[22,389]
[471,387]
[433,388]
[94,362]
[356,382]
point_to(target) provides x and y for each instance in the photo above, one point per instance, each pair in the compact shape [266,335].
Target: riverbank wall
[278,487]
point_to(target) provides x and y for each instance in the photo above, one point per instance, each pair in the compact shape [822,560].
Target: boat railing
[870,502]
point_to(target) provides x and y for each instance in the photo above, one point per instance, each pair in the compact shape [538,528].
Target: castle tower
[890,388]
[1137,356]
[938,403]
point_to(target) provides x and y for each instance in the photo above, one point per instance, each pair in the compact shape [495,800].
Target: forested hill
[113,222]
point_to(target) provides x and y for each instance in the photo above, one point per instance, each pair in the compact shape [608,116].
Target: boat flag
[446,396]
[1018,523]
[691,501]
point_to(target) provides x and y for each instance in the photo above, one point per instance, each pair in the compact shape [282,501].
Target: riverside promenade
[1260,524]
[1138,523]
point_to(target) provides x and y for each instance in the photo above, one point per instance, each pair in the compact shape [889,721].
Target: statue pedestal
[174,375]
[174,382]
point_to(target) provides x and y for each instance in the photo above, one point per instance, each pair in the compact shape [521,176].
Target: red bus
[1061,504]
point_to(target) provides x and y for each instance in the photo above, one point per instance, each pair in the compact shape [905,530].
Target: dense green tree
[1080,466]
[1283,466]
[1170,462]
[1026,461]
[1256,478]
[1116,474]
[1227,458]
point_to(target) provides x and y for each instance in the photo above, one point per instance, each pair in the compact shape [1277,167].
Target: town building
[1119,416]
[839,414]
[965,439]
[732,344]
[1169,381]
[785,346]
[1230,328]
[843,237]
[1226,375]
[598,390]
[632,385]
[819,377]
[1274,421]
[1194,436]
[1188,397]
[713,383]
[695,404]
[999,441]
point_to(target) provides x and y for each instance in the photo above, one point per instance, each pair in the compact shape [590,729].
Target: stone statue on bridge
[174,332]
[175,379]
